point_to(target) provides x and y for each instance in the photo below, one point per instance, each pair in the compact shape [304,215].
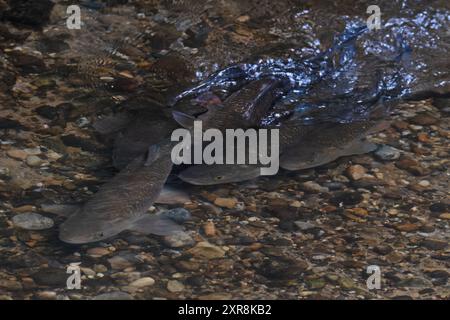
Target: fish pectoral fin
[155,224]
[170,195]
[359,147]
[183,119]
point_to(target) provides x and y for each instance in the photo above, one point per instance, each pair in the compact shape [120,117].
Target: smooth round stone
[32,221]
[387,153]
[117,295]
[175,286]
[34,161]
[143,282]
[178,240]
[179,215]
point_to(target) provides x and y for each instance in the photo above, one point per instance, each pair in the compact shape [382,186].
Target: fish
[290,133]
[302,146]
[243,109]
[330,141]
[113,123]
[219,173]
[122,202]
[146,129]
[169,195]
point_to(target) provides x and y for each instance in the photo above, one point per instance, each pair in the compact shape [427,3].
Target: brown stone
[356,172]
[424,119]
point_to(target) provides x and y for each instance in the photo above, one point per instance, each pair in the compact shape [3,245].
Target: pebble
[383,249]
[143,282]
[424,119]
[122,261]
[34,161]
[439,207]
[209,229]
[304,225]
[47,295]
[88,272]
[424,183]
[179,240]
[11,285]
[412,166]
[346,198]
[347,283]
[215,296]
[313,187]
[17,154]
[356,172]
[316,283]
[407,227]
[387,153]
[175,286]
[116,295]
[32,221]
[434,244]
[97,252]
[207,250]
[229,203]
[414,283]
[100,268]
[179,215]
[54,277]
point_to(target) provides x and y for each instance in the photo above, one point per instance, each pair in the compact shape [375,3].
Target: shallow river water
[308,234]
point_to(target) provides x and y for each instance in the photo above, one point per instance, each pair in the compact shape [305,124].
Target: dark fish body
[290,134]
[120,202]
[327,142]
[246,107]
[135,139]
[301,147]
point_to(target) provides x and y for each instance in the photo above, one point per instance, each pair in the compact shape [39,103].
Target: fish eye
[219,177]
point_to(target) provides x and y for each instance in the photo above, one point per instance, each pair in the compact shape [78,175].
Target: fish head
[81,228]
[219,174]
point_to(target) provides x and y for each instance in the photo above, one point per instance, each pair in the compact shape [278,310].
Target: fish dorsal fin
[183,119]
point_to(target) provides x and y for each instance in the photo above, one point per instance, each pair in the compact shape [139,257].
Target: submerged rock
[32,221]
[143,282]
[116,295]
[207,250]
[387,153]
[29,12]
[179,215]
[179,240]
